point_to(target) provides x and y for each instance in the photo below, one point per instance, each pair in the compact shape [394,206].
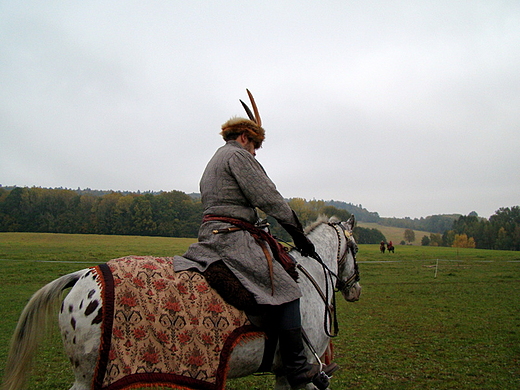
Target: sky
[407,108]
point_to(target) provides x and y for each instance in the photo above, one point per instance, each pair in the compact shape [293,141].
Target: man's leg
[292,349]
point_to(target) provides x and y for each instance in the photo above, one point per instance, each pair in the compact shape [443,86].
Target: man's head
[235,127]
[250,128]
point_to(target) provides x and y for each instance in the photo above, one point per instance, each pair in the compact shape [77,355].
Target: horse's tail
[30,329]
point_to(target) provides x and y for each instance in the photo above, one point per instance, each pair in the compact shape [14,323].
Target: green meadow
[429,318]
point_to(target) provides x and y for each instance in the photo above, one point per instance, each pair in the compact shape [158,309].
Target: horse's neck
[325,240]
[312,305]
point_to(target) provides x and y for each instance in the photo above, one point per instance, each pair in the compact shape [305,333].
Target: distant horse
[81,321]
[382,247]
[390,247]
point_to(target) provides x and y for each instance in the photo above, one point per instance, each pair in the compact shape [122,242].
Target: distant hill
[432,223]
[361,213]
[394,234]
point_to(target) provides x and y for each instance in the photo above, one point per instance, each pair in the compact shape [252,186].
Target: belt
[261,237]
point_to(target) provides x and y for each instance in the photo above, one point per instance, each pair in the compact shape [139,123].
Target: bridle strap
[330,310]
[313,281]
[344,285]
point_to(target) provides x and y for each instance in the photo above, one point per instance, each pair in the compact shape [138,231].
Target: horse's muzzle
[353,293]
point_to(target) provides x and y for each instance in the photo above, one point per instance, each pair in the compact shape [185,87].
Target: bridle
[343,286]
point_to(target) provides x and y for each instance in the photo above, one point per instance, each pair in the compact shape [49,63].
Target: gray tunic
[233,185]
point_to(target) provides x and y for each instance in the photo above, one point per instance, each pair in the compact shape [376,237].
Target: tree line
[501,231]
[176,214]
[168,214]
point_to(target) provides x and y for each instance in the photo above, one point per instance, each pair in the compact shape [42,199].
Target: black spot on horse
[73,323]
[71,308]
[91,307]
[99,317]
[91,293]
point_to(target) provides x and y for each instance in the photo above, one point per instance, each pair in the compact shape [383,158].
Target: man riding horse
[233,186]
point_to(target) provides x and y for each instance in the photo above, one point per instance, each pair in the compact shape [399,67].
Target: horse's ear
[334,219]
[351,222]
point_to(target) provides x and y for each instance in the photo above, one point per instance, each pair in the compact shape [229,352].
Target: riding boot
[298,370]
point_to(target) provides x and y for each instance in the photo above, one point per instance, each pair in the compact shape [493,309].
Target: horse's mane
[319,221]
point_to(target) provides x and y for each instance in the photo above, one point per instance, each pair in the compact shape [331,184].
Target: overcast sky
[409,108]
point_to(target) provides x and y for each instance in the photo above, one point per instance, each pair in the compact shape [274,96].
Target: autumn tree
[462,241]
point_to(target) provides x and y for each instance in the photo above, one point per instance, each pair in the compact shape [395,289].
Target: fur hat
[236,126]
[252,126]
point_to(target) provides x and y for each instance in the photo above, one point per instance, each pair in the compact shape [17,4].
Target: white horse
[338,269]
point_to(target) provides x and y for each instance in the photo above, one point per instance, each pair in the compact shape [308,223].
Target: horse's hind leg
[80,386]
[80,324]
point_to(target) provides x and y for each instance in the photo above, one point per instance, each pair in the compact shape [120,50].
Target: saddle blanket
[162,328]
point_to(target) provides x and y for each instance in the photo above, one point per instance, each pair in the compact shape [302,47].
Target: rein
[330,310]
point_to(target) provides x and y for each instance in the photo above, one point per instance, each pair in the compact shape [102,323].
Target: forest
[500,231]
[176,214]
[168,214]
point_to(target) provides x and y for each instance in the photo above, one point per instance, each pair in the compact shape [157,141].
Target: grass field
[428,318]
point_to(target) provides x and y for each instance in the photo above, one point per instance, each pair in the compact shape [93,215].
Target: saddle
[229,287]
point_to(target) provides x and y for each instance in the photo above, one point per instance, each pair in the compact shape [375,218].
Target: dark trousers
[282,317]
[276,320]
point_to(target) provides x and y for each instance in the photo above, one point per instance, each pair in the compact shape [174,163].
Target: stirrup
[321,381]
[330,368]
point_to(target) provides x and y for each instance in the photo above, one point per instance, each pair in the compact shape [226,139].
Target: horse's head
[348,272]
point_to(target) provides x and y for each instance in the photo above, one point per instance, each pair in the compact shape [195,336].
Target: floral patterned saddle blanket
[162,328]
